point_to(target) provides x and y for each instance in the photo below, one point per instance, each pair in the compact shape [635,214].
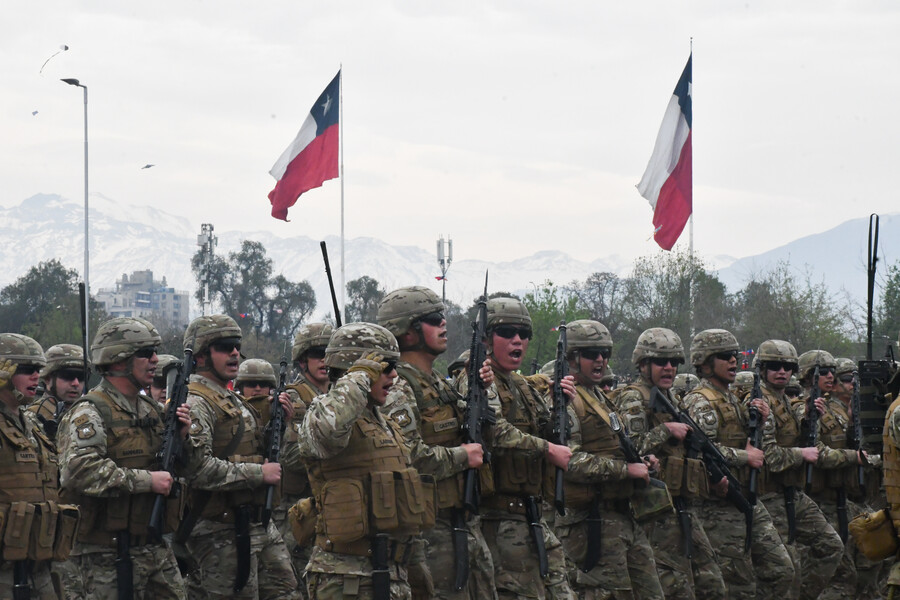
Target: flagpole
[341,131]
[691,218]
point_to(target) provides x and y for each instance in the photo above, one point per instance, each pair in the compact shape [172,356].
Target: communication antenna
[444,260]
[207,242]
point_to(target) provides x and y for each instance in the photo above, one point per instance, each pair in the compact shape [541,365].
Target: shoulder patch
[196,427]
[85,430]
[80,420]
[401,417]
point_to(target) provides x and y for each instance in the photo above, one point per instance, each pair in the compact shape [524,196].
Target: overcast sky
[511,126]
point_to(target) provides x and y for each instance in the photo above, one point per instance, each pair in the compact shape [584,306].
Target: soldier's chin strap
[127,372]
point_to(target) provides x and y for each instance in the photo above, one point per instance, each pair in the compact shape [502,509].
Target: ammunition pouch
[37,531]
[651,502]
[874,535]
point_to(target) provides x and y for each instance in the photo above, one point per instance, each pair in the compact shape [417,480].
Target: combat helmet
[585,333]
[709,342]
[203,331]
[401,308]
[776,351]
[507,311]
[311,335]
[355,340]
[549,368]
[459,364]
[255,369]
[165,364]
[808,360]
[21,350]
[684,383]
[792,389]
[62,356]
[119,338]
[658,342]
[743,381]
[843,366]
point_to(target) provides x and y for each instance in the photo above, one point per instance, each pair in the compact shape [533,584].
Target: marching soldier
[370,499]
[159,385]
[687,568]
[108,444]
[29,482]
[794,513]
[767,571]
[236,556]
[64,376]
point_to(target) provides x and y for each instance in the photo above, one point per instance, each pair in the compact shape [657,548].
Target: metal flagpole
[341,131]
[691,220]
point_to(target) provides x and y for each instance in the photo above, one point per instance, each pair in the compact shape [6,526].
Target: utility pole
[207,241]
[444,261]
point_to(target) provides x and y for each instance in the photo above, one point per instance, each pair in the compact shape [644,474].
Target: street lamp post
[444,261]
[87,279]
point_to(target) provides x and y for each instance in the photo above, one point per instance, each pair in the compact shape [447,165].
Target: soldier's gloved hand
[7,370]
[372,364]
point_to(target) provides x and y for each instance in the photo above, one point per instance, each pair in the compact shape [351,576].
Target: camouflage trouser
[155,574]
[441,561]
[515,559]
[271,572]
[697,578]
[817,550]
[626,569]
[336,586]
[41,582]
[299,554]
[766,571]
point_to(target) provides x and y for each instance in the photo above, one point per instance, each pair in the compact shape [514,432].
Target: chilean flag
[667,183]
[312,158]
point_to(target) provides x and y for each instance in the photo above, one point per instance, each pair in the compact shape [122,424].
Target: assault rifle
[812,424]
[755,424]
[172,442]
[560,433]
[479,417]
[855,443]
[274,433]
[699,444]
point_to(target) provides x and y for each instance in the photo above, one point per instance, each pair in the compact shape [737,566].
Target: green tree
[363,296]
[886,315]
[548,305]
[601,295]
[45,305]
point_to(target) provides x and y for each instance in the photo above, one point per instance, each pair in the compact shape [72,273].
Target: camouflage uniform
[48,408]
[767,571]
[891,443]
[345,443]
[226,437]
[107,447]
[28,472]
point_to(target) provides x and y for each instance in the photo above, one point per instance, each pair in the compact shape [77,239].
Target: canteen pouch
[345,514]
[673,474]
[651,501]
[43,531]
[19,521]
[384,502]
[302,516]
[874,535]
[66,530]
[696,480]
[410,499]
[429,491]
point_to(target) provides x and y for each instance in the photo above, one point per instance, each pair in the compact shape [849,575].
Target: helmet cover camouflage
[311,335]
[585,333]
[685,382]
[166,362]
[608,376]
[843,366]
[744,379]
[549,368]
[355,340]
[810,358]
[458,364]
[776,351]
[507,311]
[256,369]
[709,342]
[657,342]
[119,338]
[21,350]
[399,310]
[793,385]
[203,331]
[62,356]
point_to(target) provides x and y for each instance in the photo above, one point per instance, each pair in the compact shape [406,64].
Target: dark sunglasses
[779,365]
[27,369]
[660,361]
[593,353]
[508,332]
[226,347]
[317,352]
[70,375]
[846,378]
[391,365]
[825,371]
[146,352]
[434,319]
[726,356]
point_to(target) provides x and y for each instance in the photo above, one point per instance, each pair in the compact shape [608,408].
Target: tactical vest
[597,438]
[682,475]
[515,475]
[369,488]
[28,472]
[891,466]
[296,484]
[787,435]
[131,443]
[43,408]
[731,432]
[237,439]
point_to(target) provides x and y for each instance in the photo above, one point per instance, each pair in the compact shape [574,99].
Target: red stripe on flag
[675,202]
[310,169]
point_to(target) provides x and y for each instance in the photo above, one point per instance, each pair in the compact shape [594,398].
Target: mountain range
[130,238]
